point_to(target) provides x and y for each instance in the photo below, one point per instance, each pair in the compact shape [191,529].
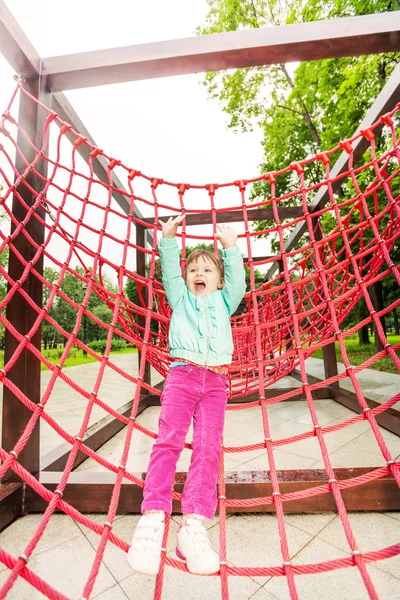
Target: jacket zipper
[208,328]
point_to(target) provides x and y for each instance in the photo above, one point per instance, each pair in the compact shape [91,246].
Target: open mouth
[199,286]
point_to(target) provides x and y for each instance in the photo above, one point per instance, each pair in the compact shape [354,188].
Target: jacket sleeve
[174,284]
[235,278]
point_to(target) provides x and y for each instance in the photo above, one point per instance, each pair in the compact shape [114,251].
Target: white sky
[164,127]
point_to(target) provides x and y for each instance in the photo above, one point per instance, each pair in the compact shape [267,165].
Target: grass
[359,353]
[75,358]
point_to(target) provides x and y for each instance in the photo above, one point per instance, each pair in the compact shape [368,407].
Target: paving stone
[16,537]
[340,584]
[66,568]
[113,593]
[372,531]
[177,583]
[253,541]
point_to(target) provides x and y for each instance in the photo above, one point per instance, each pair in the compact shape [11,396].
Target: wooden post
[329,351]
[377,301]
[25,374]
[141,270]
[288,336]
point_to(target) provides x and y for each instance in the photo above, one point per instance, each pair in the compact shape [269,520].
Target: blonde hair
[207,256]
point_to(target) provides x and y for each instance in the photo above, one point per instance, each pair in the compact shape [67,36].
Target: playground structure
[287,317]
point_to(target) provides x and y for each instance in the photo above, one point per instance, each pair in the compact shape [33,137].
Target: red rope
[287,319]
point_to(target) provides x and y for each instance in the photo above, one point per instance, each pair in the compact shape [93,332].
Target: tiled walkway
[65,554]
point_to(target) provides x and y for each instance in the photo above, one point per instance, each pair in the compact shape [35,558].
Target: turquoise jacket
[200,329]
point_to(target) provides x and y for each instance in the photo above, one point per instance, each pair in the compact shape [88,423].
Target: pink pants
[189,392]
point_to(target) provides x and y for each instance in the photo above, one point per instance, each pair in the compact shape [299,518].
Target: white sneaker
[144,555]
[195,548]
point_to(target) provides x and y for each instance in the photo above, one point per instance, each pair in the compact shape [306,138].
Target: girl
[200,340]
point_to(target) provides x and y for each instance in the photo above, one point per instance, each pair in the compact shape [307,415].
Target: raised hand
[227,236]
[170,228]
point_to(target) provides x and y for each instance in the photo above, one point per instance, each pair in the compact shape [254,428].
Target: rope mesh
[347,246]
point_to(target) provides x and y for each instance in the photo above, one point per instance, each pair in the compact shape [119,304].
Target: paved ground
[65,554]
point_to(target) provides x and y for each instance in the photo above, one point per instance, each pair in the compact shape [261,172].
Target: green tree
[301,111]
[131,292]
[96,332]
[50,336]
[65,314]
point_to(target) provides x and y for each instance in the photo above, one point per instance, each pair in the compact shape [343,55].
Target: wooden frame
[20,314]
[11,502]
[341,37]
[91,492]
[352,36]
[235,216]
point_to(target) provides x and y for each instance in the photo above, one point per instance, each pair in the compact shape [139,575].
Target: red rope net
[346,246]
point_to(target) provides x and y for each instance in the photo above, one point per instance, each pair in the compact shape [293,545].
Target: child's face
[203,277]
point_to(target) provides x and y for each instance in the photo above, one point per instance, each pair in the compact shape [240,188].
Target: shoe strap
[146,534]
[199,533]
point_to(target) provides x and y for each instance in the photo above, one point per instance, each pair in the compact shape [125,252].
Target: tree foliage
[300,113]
[305,109]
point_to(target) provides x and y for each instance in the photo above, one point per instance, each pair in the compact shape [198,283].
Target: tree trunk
[396,322]
[363,336]
[377,301]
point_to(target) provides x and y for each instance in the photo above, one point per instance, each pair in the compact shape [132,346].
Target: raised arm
[234,273]
[174,284]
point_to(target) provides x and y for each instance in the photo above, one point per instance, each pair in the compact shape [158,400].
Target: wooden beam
[25,373]
[374,496]
[236,216]
[330,363]
[322,393]
[141,319]
[352,36]
[261,258]
[11,503]
[96,436]
[385,102]
[16,47]
[328,351]
[91,492]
